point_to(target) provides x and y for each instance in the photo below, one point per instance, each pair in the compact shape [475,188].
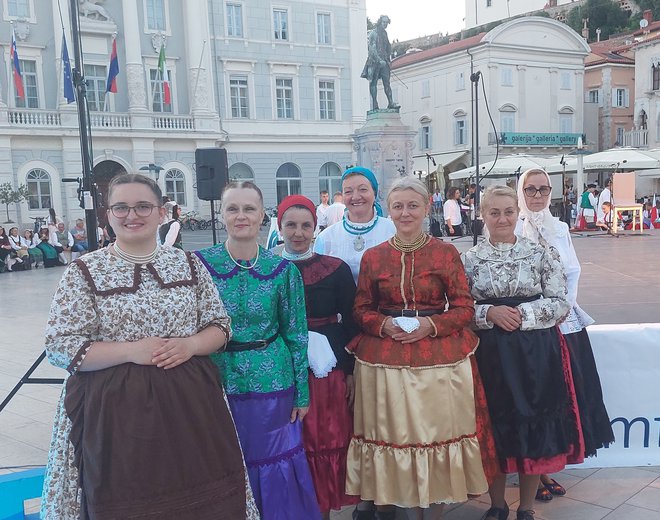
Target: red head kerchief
[295,200]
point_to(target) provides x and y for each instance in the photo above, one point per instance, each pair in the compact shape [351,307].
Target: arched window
[39,192]
[508,118]
[330,178]
[240,172]
[288,181]
[175,186]
[566,119]
[425,142]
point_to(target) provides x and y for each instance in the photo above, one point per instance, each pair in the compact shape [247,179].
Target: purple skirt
[274,455]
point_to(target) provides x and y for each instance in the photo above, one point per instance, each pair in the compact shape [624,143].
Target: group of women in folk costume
[255,347]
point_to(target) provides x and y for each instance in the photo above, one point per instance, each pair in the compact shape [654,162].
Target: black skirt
[596,427]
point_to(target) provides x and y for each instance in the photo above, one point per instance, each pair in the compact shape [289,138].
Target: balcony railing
[34,118]
[636,138]
[110,120]
[173,122]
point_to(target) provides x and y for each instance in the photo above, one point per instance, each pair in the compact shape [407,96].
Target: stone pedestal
[385,146]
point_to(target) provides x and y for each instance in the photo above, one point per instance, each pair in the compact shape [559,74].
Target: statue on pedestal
[378,63]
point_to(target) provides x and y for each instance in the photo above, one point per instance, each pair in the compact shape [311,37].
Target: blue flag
[69,91]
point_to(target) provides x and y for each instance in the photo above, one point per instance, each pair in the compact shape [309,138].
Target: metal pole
[215,239]
[474,77]
[88,187]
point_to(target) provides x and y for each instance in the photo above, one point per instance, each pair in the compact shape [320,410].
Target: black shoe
[501,513]
[386,515]
[364,515]
[525,515]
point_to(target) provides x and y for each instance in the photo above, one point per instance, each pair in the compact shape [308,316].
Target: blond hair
[409,183]
[497,191]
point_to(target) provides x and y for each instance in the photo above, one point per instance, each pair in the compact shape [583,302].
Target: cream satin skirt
[415,441]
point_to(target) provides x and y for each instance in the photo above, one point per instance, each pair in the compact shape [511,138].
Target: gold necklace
[406,247]
[247,267]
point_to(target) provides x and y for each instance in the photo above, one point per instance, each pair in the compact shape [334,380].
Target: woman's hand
[174,352]
[142,352]
[505,317]
[299,413]
[425,329]
[390,329]
[350,390]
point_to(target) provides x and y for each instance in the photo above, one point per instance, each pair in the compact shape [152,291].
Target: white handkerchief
[320,356]
[407,324]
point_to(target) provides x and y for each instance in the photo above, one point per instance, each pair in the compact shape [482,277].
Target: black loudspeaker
[212,172]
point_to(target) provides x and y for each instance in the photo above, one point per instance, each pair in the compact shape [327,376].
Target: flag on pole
[16,66]
[167,95]
[113,70]
[69,91]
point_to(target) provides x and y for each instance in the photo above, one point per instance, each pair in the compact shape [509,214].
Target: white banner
[628,360]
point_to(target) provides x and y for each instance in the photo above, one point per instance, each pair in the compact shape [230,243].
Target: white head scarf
[536,224]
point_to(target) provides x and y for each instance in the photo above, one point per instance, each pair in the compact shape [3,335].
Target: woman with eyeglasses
[520,291]
[538,225]
[264,368]
[142,429]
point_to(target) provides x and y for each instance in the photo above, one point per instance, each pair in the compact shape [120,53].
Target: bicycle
[207,224]
[190,221]
[39,222]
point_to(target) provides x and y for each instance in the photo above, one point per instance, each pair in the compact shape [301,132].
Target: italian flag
[163,75]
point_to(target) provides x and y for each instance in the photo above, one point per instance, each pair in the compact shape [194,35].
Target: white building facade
[532,72]
[480,12]
[647,92]
[277,85]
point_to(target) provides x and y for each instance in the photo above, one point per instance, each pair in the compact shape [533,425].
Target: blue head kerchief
[366,172]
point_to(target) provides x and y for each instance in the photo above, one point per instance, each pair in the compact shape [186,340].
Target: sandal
[500,513]
[543,494]
[525,515]
[555,488]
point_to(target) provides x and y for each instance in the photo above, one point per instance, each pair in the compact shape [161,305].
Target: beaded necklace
[297,256]
[247,267]
[406,247]
[135,259]
[359,230]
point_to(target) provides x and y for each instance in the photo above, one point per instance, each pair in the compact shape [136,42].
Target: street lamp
[151,167]
[429,160]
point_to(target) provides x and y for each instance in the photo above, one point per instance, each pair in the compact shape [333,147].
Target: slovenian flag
[16,66]
[163,74]
[69,91]
[113,70]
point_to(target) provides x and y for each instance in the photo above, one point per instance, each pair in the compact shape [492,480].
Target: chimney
[552,3]
[648,16]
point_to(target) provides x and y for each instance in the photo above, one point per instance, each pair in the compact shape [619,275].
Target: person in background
[7,255]
[169,233]
[79,233]
[437,201]
[62,240]
[19,248]
[587,212]
[538,225]
[335,212]
[30,242]
[655,214]
[523,361]
[604,196]
[48,250]
[329,297]
[452,213]
[321,212]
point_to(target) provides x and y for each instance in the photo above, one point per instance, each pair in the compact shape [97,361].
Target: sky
[413,18]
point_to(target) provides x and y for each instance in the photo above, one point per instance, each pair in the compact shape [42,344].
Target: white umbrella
[622,159]
[506,166]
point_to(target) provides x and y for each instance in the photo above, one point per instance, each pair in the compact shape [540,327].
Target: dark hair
[324,192]
[135,178]
[51,212]
[176,211]
[165,199]
[244,185]
[451,191]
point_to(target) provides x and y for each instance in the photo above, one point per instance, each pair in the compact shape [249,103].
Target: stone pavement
[620,284]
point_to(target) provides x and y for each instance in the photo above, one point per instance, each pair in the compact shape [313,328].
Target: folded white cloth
[405,323]
[320,355]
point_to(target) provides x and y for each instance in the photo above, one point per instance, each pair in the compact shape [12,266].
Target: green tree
[605,15]
[652,5]
[9,195]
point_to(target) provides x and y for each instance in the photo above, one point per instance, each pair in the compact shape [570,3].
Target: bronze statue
[378,63]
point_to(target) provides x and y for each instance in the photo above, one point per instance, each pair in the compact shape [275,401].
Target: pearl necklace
[135,259]
[246,267]
[358,230]
[406,247]
[295,257]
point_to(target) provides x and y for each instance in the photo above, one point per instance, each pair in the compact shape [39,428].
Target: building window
[156,86]
[156,15]
[620,98]
[288,181]
[619,135]
[327,100]
[506,77]
[235,20]
[175,186]
[240,172]
[29,73]
[330,178]
[96,77]
[18,8]
[656,77]
[460,81]
[507,121]
[425,142]
[38,185]
[281,24]
[565,81]
[593,96]
[323,29]
[460,131]
[238,91]
[284,98]
[566,123]
[489,3]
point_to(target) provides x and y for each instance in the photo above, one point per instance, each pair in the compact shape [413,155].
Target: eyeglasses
[531,191]
[141,210]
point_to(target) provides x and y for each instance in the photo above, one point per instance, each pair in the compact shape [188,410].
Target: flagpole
[199,70]
[88,188]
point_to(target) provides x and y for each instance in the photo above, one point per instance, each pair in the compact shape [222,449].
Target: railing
[173,122]
[110,120]
[31,117]
[636,138]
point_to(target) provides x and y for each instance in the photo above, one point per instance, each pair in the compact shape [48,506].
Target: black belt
[411,313]
[241,346]
[510,301]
